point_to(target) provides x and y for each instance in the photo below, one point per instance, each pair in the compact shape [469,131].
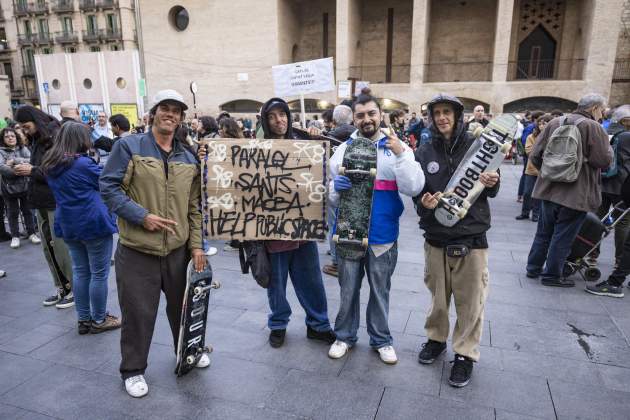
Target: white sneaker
[15,243]
[388,355]
[204,361]
[338,350]
[3,273]
[34,239]
[136,386]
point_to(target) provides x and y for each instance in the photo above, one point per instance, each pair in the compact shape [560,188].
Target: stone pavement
[546,353]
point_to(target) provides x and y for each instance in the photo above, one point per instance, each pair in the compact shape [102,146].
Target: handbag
[13,187]
[253,255]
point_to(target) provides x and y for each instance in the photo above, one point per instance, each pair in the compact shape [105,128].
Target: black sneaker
[522,217]
[84,327]
[431,350]
[534,218]
[531,275]
[326,336]
[461,371]
[54,299]
[276,338]
[605,289]
[557,282]
[66,302]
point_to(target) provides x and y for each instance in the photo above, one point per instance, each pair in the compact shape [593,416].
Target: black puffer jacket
[439,161]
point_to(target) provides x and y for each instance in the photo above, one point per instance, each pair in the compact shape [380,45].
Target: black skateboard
[192,332]
[355,205]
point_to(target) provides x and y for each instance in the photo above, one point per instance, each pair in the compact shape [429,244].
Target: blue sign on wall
[90,112]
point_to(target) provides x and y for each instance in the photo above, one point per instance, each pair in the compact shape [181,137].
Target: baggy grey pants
[55,250]
[140,278]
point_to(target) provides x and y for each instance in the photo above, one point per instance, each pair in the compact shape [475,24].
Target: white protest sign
[345,87]
[360,85]
[304,77]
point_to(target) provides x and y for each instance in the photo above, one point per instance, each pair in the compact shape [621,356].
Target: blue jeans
[303,266]
[557,228]
[530,203]
[332,215]
[379,272]
[90,269]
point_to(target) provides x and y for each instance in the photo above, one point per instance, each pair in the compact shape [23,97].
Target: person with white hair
[566,201]
[69,111]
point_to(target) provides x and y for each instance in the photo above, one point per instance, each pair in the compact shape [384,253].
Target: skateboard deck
[192,331]
[485,155]
[355,204]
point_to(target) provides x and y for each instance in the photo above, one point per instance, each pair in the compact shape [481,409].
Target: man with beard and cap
[298,259]
[41,129]
[397,172]
[462,275]
[153,183]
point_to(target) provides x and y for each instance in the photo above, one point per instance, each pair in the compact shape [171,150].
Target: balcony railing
[91,35]
[38,8]
[4,47]
[63,6]
[88,5]
[20,9]
[67,37]
[26,39]
[546,70]
[110,34]
[108,4]
[622,71]
[466,71]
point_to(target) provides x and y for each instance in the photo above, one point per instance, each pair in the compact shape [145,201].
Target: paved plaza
[546,353]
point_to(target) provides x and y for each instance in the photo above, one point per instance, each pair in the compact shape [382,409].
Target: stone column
[419,40]
[602,45]
[502,38]
[347,32]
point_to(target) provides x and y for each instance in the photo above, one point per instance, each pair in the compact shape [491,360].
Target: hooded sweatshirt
[440,159]
[278,246]
[613,185]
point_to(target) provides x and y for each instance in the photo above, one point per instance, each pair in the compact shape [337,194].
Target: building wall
[5,97]
[449,31]
[25,88]
[461,40]
[620,89]
[104,78]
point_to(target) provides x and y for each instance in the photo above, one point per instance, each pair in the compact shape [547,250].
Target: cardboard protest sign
[265,189]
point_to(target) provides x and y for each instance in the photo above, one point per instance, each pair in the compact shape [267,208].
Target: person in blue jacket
[84,223]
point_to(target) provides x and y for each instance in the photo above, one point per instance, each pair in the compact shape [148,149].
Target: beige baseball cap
[169,95]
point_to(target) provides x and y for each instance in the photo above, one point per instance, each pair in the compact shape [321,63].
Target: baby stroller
[591,235]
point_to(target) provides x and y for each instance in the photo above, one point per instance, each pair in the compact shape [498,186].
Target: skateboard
[485,155]
[355,204]
[192,328]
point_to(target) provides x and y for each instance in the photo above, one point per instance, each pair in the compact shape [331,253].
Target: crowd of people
[83,184]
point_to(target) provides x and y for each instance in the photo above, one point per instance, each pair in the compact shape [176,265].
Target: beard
[368,130]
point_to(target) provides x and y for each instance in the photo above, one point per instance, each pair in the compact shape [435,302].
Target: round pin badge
[433,167]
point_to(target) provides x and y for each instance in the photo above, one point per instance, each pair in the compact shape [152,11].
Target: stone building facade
[509,55]
[29,28]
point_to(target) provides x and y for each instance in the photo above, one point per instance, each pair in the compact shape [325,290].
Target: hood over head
[264,111]
[460,127]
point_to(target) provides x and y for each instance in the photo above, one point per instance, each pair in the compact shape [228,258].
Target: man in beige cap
[152,182]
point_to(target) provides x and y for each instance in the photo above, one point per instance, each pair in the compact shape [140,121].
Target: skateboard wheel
[190,360]
[477,132]
[466,204]
[462,213]
[365,242]
[342,170]
[505,149]
[335,238]
[373,172]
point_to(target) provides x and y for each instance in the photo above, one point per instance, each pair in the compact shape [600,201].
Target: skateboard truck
[203,289]
[344,171]
[363,242]
[192,359]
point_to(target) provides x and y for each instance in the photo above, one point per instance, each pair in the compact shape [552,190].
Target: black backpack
[253,255]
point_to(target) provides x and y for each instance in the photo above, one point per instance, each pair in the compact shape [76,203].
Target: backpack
[253,254]
[563,158]
[613,170]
